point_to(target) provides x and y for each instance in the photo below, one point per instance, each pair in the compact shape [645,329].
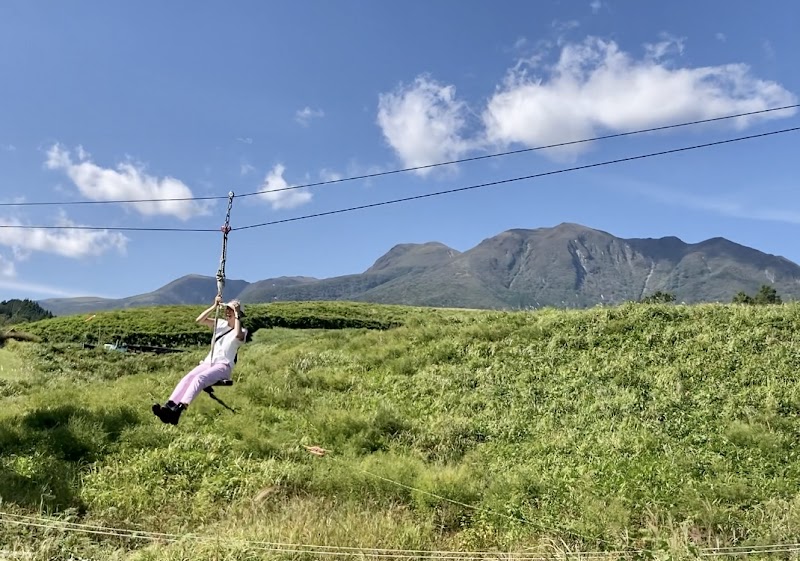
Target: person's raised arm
[203,318]
[237,323]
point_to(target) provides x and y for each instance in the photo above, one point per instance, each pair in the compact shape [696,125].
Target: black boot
[173,414]
[160,412]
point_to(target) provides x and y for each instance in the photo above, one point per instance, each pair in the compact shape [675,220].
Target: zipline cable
[408,169]
[66,526]
[523,178]
[418,197]
[108,228]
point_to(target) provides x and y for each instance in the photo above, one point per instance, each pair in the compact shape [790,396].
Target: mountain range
[568,265]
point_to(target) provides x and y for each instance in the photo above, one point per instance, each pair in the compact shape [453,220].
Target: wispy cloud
[358,169]
[306,114]
[768,49]
[7,268]
[721,37]
[282,199]
[595,5]
[38,289]
[8,147]
[127,182]
[423,123]
[718,204]
[564,26]
[67,243]
[669,45]
[244,140]
[330,175]
[15,199]
[246,168]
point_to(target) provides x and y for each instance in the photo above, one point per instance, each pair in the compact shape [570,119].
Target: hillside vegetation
[639,431]
[21,311]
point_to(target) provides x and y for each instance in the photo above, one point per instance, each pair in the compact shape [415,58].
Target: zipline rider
[217,366]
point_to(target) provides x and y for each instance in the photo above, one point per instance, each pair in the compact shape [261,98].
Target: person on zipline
[217,365]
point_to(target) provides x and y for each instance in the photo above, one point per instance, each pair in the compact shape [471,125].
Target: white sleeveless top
[225,344]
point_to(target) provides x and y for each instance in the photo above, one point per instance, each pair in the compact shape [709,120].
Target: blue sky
[111,100]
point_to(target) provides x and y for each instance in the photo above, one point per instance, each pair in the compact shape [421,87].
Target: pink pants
[201,376]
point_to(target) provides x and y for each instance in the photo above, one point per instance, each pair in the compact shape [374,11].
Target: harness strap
[221,335]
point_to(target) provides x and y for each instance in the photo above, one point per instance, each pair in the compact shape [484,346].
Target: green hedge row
[174,326]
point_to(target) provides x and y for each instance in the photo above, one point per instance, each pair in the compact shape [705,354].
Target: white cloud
[423,123]
[719,36]
[306,114]
[245,140]
[67,242]
[595,87]
[591,88]
[595,5]
[127,182]
[246,168]
[282,199]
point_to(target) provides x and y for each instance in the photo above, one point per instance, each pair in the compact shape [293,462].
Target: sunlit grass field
[639,431]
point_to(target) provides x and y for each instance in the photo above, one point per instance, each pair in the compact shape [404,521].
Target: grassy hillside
[660,431]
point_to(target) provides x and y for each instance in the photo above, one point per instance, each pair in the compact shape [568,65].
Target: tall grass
[653,429]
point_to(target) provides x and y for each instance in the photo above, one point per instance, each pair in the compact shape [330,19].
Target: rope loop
[225,229]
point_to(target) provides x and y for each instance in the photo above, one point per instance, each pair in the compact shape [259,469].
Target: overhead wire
[523,178]
[322,550]
[364,552]
[523,150]
[413,197]
[406,169]
[104,228]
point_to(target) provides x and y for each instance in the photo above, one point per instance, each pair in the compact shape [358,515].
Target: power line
[416,197]
[361,552]
[110,228]
[405,170]
[503,181]
[522,150]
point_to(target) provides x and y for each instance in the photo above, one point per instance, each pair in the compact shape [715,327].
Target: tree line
[765,295]
[21,311]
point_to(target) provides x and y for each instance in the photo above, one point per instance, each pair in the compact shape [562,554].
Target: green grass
[12,367]
[643,427]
